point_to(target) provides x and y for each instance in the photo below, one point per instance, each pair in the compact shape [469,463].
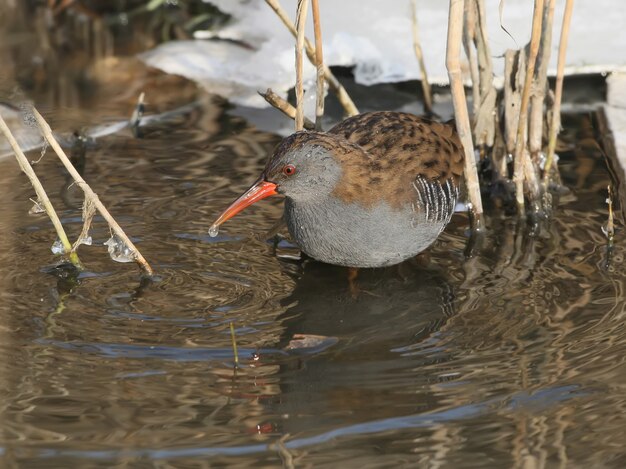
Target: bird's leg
[273,233]
[353,273]
[422,259]
[276,227]
[405,269]
[403,272]
[355,291]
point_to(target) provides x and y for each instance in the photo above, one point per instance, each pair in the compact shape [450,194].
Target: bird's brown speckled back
[401,148]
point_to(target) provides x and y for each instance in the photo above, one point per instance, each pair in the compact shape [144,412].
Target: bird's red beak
[259,190]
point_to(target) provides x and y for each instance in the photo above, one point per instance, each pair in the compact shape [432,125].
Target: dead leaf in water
[310,344]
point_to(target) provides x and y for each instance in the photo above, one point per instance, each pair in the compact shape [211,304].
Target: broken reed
[333,84]
[285,107]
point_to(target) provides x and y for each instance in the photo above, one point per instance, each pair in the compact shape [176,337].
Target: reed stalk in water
[469,32]
[522,171]
[558,89]
[42,196]
[453,64]
[233,340]
[300,25]
[319,61]
[610,224]
[539,86]
[485,119]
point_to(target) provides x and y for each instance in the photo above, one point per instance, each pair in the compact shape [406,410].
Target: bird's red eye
[289,170]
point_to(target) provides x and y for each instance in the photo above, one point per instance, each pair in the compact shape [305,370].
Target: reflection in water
[395,309]
[512,356]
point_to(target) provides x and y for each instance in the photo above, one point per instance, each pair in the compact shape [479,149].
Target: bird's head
[304,166]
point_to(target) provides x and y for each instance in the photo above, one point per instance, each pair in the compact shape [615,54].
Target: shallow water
[511,355]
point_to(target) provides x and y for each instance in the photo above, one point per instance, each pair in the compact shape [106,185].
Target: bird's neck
[319,209]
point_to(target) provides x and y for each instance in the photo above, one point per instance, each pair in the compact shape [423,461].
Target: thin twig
[41,193]
[610,224]
[333,83]
[90,194]
[558,91]
[285,454]
[88,213]
[300,25]
[284,107]
[140,107]
[520,143]
[453,64]
[319,59]
[428,97]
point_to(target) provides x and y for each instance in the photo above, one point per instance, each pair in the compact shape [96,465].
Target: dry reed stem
[520,143]
[41,193]
[300,25]
[558,90]
[284,107]
[90,194]
[319,60]
[499,155]
[532,180]
[538,93]
[469,31]
[514,66]
[333,83]
[428,96]
[485,64]
[453,64]
[485,120]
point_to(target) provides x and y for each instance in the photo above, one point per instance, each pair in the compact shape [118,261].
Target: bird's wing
[423,147]
[407,154]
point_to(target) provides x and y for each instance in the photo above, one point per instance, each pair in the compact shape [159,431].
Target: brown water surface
[510,356]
